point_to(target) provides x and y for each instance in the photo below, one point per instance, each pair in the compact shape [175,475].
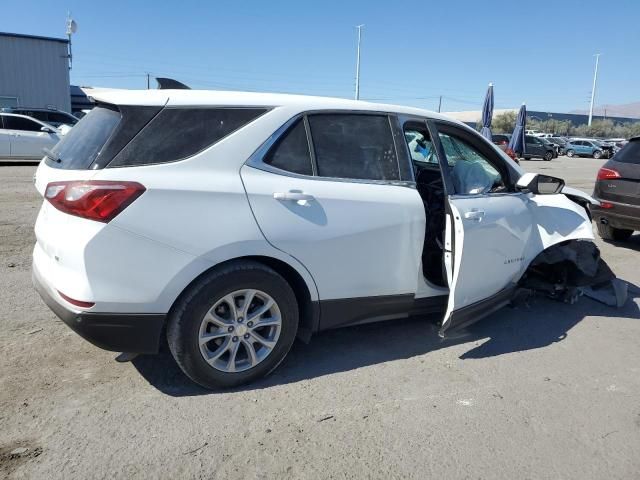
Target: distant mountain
[630,110]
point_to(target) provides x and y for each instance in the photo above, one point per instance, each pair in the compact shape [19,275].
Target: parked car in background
[615,143]
[559,142]
[618,190]
[501,140]
[539,148]
[49,116]
[235,234]
[24,138]
[587,148]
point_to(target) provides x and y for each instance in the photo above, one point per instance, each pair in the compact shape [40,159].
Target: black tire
[607,232]
[597,154]
[186,316]
[548,156]
[570,153]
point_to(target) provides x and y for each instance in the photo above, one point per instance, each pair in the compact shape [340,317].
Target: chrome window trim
[256,160]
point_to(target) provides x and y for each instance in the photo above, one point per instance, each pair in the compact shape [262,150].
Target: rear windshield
[81,145]
[630,153]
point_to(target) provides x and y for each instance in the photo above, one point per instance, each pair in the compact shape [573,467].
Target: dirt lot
[541,391]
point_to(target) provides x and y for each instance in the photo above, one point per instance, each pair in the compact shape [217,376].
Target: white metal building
[34,72]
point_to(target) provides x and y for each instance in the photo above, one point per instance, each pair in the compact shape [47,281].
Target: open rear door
[487,227]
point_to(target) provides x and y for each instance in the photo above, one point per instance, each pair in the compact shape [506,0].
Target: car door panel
[493,246]
[5,141]
[30,144]
[356,239]
[489,233]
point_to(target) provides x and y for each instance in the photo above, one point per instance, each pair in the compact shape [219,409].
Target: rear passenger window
[354,146]
[177,133]
[21,123]
[291,152]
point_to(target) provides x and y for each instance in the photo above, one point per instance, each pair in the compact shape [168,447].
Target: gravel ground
[546,390]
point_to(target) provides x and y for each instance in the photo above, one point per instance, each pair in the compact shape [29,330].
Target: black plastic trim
[118,332]
[350,311]
[465,316]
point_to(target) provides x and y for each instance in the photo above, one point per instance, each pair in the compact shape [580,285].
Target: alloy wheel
[240,330]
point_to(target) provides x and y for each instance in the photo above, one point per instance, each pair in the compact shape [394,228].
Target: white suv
[234,222]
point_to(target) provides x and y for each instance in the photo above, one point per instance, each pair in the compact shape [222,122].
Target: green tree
[504,122]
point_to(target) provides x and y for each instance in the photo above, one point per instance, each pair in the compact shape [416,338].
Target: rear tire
[257,350]
[607,232]
[597,154]
[570,153]
[548,156]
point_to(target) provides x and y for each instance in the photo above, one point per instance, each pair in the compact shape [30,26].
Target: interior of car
[471,174]
[431,189]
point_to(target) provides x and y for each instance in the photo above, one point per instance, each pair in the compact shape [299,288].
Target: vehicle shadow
[538,324]
[633,243]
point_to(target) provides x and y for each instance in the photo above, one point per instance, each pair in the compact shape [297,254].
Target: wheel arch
[306,295]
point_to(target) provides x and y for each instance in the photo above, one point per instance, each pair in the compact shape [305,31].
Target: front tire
[234,325]
[570,153]
[597,154]
[607,232]
[548,156]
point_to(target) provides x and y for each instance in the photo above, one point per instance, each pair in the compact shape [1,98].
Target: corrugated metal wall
[36,71]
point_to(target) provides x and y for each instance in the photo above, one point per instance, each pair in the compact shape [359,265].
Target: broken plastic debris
[613,293]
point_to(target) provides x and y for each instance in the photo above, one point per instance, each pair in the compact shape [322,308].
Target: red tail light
[606,205]
[607,174]
[93,199]
[77,303]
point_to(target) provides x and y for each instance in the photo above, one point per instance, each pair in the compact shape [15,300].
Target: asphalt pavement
[544,390]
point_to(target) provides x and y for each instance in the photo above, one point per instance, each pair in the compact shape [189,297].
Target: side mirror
[540,184]
[47,130]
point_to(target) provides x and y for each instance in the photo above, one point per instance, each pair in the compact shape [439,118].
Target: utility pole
[147,81]
[440,104]
[593,90]
[359,27]
[72,27]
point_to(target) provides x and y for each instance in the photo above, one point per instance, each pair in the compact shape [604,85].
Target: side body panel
[356,239]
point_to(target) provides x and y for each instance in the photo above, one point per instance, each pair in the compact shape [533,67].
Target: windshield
[79,148]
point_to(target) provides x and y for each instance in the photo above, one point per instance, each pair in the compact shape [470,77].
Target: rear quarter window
[178,133]
[630,153]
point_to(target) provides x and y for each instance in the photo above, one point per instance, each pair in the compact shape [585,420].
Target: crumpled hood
[574,192]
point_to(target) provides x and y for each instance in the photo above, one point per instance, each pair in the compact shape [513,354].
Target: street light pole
[593,90]
[359,27]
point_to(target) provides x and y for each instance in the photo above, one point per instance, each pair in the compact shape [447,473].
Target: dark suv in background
[618,190]
[537,147]
[559,142]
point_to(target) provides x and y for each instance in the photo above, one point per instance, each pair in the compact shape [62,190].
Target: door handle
[474,214]
[293,196]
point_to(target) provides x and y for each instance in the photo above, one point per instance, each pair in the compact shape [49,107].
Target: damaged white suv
[234,222]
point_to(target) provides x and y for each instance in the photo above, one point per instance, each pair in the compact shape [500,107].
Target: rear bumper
[619,216]
[118,332]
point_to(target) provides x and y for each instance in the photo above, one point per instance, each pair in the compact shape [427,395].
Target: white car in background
[233,222]
[24,138]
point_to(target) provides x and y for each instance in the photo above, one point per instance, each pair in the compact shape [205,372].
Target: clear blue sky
[540,52]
